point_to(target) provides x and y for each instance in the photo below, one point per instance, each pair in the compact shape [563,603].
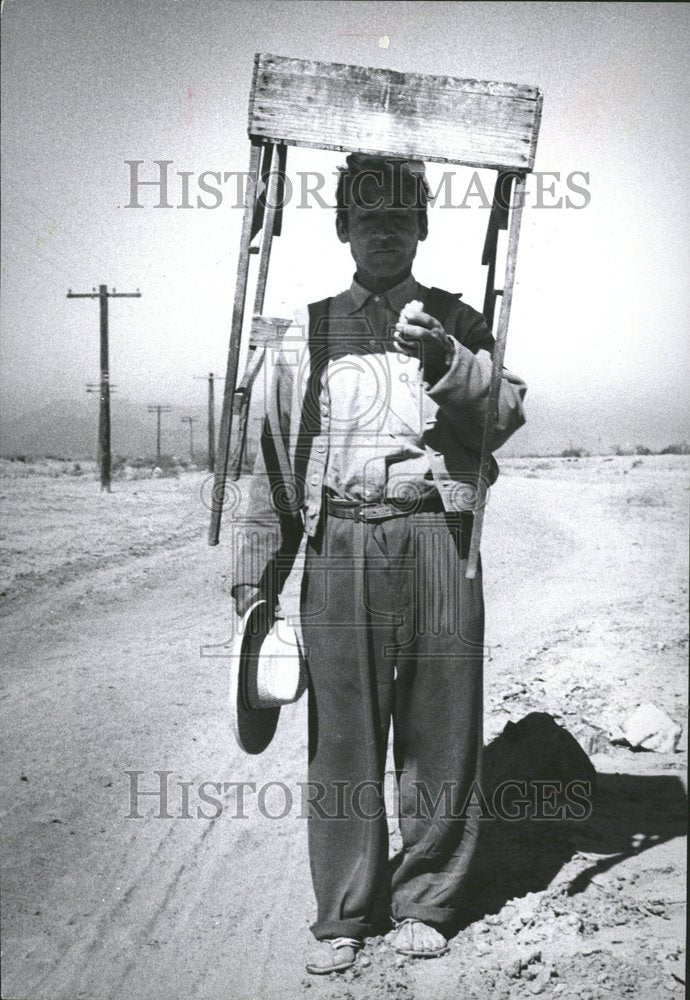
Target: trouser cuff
[324,929]
[438,915]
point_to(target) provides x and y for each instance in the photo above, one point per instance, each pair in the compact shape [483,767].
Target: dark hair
[402,182]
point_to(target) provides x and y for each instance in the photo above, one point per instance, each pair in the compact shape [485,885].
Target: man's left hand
[423,337]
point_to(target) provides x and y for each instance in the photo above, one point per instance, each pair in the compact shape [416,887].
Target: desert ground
[115,618]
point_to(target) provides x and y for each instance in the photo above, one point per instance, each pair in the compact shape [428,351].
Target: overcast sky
[600,318]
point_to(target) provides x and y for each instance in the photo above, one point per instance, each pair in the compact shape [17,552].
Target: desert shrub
[573,453]
[137,474]
[646,499]
[171,472]
[676,449]
[168,466]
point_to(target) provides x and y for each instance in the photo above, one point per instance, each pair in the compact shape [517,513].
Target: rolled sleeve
[462,393]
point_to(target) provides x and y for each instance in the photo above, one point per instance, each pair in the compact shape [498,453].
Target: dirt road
[114,615]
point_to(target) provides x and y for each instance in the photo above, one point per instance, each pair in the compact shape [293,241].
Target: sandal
[415,952]
[327,958]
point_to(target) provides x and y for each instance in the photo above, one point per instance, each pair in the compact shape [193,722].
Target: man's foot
[418,940]
[333,955]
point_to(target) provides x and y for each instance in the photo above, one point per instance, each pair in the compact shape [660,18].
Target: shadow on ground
[628,814]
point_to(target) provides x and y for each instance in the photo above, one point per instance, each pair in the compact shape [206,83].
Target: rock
[650,728]
[532,957]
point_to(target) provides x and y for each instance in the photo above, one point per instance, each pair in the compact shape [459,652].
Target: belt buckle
[372,512]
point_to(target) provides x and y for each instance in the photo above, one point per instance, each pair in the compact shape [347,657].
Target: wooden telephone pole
[158,410]
[211,418]
[94,389]
[191,421]
[104,411]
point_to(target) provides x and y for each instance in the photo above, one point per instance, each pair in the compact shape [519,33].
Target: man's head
[382,214]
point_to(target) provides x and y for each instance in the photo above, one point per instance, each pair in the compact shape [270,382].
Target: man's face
[383,239]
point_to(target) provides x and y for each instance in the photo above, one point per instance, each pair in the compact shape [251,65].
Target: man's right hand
[244,595]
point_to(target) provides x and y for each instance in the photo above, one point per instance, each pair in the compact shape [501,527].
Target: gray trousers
[393,631]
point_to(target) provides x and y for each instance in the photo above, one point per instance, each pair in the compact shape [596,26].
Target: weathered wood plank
[268,330]
[518,201]
[265,331]
[223,449]
[437,118]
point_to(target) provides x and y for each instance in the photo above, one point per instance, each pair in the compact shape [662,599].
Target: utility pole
[158,410]
[104,411]
[211,419]
[191,421]
[94,388]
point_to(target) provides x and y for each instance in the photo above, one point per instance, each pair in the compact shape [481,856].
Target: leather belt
[355,510]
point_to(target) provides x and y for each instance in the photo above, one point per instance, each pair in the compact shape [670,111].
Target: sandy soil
[115,612]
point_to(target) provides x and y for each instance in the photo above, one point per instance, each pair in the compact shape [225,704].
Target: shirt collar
[357,295]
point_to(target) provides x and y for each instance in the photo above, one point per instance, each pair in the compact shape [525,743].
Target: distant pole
[211,378]
[104,410]
[158,410]
[191,421]
[211,426]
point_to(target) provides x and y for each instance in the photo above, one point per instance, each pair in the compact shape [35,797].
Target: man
[370,447]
